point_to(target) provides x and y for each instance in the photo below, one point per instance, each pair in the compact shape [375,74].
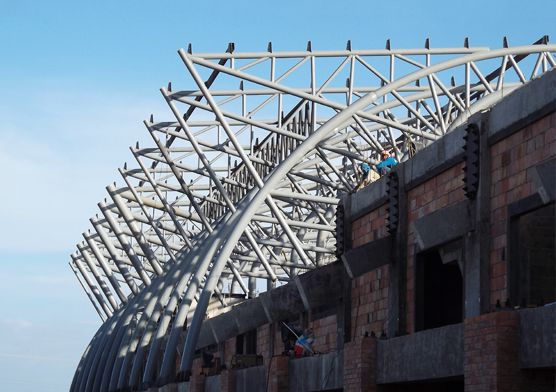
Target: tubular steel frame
[238,192]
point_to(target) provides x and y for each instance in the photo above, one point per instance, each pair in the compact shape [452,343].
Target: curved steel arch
[229,219]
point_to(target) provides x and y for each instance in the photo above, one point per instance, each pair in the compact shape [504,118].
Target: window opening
[533,258]
[439,287]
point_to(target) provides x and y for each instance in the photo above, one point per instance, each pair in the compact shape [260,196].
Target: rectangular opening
[532,263]
[246,343]
[240,344]
[439,287]
[246,351]
[251,342]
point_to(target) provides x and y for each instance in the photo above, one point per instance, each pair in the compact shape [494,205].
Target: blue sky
[76,80]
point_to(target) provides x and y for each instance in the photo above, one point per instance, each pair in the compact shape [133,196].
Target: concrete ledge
[432,354]
[226,325]
[179,387]
[168,388]
[538,337]
[437,157]
[251,379]
[282,302]
[544,179]
[212,384]
[443,225]
[183,387]
[316,373]
[369,256]
[321,286]
[523,106]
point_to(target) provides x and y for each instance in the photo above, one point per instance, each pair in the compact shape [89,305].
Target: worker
[386,164]
[368,175]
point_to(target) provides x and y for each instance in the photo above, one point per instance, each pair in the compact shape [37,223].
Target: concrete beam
[443,225]
[322,287]
[523,106]
[369,256]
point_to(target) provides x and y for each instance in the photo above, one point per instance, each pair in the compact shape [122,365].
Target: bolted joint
[340,231]
[472,161]
[393,192]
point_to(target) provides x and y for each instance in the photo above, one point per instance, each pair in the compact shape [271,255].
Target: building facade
[446,277]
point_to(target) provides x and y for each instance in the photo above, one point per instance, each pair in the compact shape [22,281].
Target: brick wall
[491,347]
[438,192]
[369,227]
[197,380]
[490,339]
[441,191]
[360,365]
[369,301]
[325,330]
[510,159]
[263,342]
[277,336]
[228,381]
[278,378]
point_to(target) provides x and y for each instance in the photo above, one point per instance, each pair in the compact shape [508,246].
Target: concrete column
[491,346]
[360,365]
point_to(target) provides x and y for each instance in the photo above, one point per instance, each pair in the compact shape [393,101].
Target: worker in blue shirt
[365,169]
[367,175]
[387,163]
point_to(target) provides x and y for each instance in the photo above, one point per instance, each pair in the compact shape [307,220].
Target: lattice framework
[238,191]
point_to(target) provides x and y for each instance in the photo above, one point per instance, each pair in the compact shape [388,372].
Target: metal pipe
[109,246]
[92,286]
[136,233]
[128,249]
[107,270]
[102,284]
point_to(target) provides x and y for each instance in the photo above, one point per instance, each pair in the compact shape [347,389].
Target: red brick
[197,380]
[491,360]
[359,365]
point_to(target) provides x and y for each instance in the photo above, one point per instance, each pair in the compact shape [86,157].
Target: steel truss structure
[238,191]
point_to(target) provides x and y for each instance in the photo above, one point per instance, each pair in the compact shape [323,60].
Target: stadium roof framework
[238,191]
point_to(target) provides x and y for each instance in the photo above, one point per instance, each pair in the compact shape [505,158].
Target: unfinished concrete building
[438,276]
